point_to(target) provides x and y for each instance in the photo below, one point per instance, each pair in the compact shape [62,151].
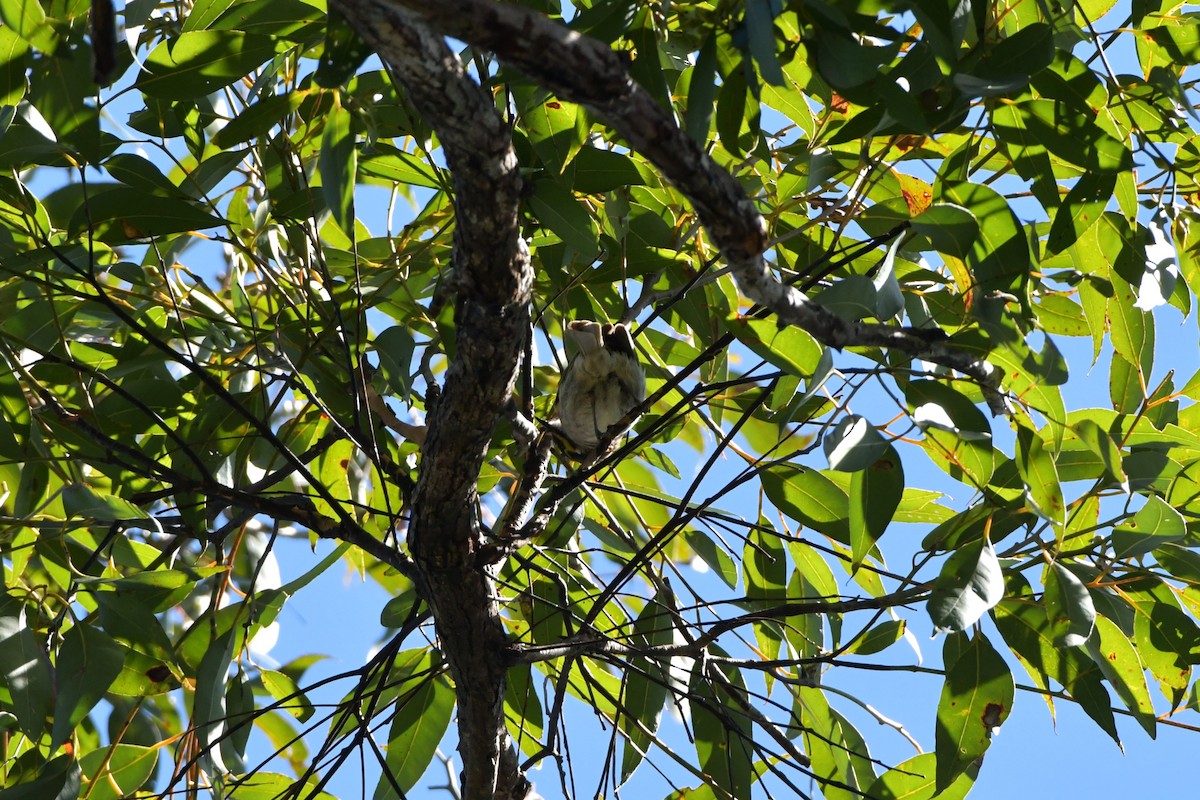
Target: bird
[602,384]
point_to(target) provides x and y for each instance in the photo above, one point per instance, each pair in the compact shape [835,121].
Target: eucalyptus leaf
[970,583]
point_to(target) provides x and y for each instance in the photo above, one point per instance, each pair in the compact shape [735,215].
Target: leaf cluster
[228,289]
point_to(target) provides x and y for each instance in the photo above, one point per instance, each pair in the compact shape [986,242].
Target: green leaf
[1059,314]
[950,228]
[790,99]
[1132,332]
[765,566]
[921,506]
[1040,475]
[80,500]
[830,743]
[557,130]
[25,668]
[395,346]
[1036,391]
[1072,135]
[1179,561]
[1069,606]
[647,67]
[343,54]
[557,209]
[239,705]
[523,710]
[124,214]
[1024,52]
[285,691]
[977,698]
[702,92]
[272,786]
[915,779]
[789,348]
[208,702]
[646,684]
[999,257]
[878,638]
[760,34]
[14,53]
[59,779]
[1180,38]
[27,20]
[257,119]
[1156,523]
[391,164]
[875,492]
[1029,155]
[713,555]
[852,298]
[1164,635]
[204,12]
[737,111]
[88,662]
[118,772]
[810,498]
[1098,441]
[396,611]
[140,173]
[200,62]
[958,437]
[1080,209]
[853,444]
[1114,654]
[422,717]
[299,21]
[338,163]
[596,171]
[845,61]
[969,584]
[765,572]
[722,730]
[333,470]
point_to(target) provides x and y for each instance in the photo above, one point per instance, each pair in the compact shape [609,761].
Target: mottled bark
[491,281]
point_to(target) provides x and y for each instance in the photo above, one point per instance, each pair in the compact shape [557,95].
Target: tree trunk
[491,278]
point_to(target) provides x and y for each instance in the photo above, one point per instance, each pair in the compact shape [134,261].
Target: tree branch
[588,643]
[585,71]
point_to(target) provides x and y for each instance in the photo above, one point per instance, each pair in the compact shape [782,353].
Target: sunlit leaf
[969,584]
[789,348]
[914,779]
[201,62]
[556,131]
[810,498]
[977,698]
[1155,524]
[999,257]
[287,694]
[1069,606]
[118,772]
[1114,654]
